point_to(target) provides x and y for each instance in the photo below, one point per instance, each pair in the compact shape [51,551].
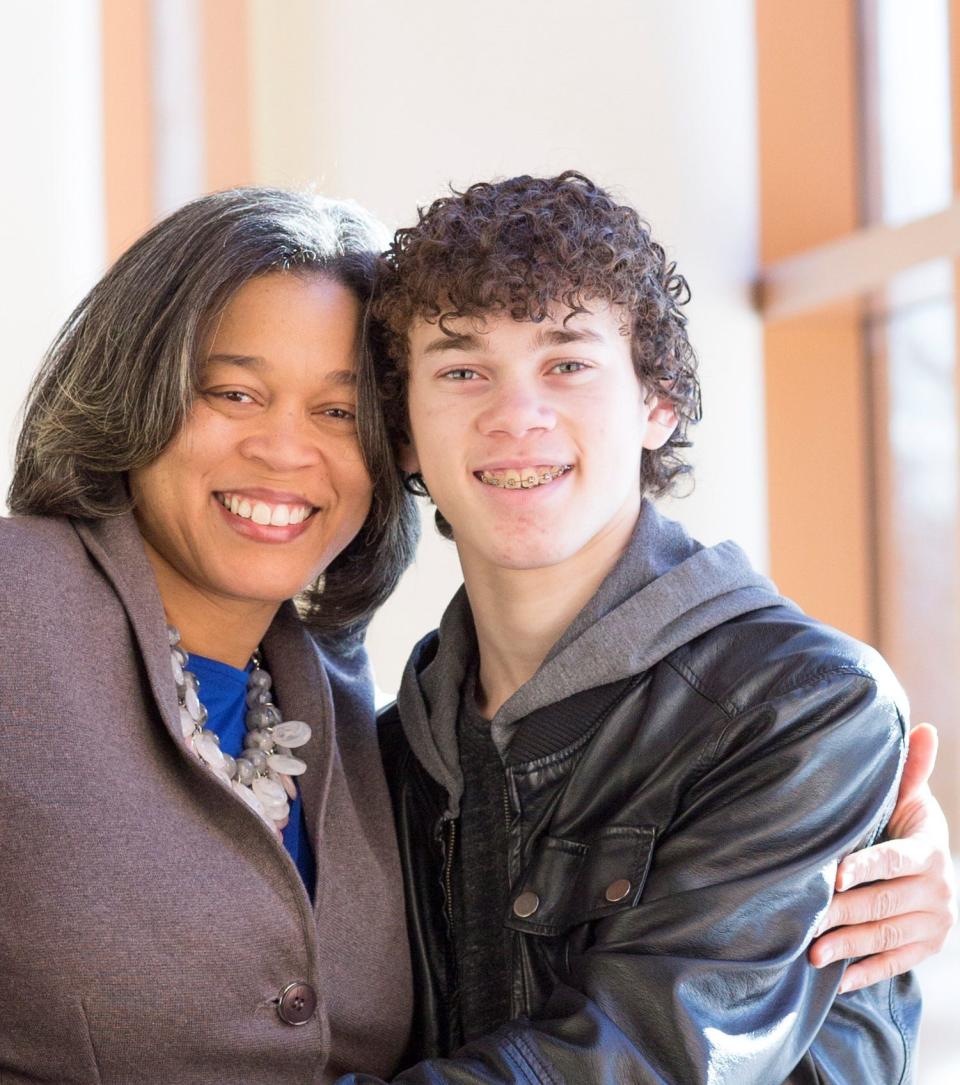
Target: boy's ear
[661,422]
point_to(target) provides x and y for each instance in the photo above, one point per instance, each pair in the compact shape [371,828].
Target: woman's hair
[117,383]
[519,247]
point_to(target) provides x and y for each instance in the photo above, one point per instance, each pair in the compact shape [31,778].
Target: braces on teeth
[526,479]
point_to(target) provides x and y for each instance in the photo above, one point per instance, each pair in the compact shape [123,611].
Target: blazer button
[297,1003]
[618,890]
[526,904]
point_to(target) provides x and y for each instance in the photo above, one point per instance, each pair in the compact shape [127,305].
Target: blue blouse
[223,692]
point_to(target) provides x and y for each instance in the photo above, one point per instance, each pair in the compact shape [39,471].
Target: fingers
[880,937]
[892,859]
[882,967]
[921,757]
[876,902]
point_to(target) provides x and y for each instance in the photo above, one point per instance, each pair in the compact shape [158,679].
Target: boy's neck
[519,614]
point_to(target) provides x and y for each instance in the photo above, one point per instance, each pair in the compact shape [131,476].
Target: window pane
[913,89]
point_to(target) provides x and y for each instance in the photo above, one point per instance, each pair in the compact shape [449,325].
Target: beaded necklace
[262,774]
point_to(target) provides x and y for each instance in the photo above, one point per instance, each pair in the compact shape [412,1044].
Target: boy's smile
[529,435]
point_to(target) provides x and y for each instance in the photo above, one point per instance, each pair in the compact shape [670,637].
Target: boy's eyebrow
[545,337]
[345,377]
[454,342]
[558,337]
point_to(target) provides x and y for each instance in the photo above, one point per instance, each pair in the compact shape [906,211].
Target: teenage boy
[624,769]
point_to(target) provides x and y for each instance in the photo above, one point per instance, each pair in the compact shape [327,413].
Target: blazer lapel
[117,547]
[303,693]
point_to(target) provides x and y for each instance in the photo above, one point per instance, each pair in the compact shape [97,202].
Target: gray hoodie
[665,590]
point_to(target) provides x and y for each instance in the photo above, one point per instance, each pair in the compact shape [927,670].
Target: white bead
[248,797]
[291,766]
[291,733]
[177,670]
[222,774]
[187,722]
[269,792]
[192,702]
[278,811]
[209,751]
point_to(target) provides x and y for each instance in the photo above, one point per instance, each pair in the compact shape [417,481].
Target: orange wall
[129,127]
[817,416]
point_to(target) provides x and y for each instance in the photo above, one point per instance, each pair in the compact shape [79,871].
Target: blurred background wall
[799,161]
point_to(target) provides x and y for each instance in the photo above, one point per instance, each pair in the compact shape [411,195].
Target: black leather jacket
[669,862]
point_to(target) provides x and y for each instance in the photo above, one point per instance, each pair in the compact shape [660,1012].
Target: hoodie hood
[665,590]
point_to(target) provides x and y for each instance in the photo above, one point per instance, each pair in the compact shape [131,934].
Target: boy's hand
[906,915]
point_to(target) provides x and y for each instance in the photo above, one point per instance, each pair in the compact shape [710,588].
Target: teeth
[526,478]
[262,513]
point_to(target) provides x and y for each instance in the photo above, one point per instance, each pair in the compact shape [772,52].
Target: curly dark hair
[519,246]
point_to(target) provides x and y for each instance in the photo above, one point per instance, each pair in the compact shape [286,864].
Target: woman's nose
[283,443]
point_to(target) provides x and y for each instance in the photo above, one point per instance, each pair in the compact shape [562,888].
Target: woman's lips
[264,524]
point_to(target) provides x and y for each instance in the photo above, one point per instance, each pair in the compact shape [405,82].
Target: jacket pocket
[567,882]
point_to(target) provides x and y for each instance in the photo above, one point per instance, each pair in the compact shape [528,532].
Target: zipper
[450,826]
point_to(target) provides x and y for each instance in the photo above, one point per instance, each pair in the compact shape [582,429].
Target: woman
[189,461]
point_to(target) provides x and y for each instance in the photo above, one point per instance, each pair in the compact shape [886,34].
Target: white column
[51,186]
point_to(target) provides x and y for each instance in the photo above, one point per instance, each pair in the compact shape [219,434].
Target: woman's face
[265,484]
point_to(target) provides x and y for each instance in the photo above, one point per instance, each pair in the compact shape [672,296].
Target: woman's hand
[905,916]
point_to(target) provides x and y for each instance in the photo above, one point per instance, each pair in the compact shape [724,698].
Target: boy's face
[529,436]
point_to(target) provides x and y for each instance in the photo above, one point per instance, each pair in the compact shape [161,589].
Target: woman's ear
[408,458]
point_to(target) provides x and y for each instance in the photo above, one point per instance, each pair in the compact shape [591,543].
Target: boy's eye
[461,374]
[569,367]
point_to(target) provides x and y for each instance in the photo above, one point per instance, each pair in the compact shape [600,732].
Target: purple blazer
[149,921]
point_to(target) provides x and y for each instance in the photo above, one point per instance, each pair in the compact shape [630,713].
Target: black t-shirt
[481,884]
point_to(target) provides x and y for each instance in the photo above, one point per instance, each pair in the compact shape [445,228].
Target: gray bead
[245,771]
[257,740]
[204,714]
[258,718]
[257,758]
[273,715]
[257,696]
[230,764]
[259,677]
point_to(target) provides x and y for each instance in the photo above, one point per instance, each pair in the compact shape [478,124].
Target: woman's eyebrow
[252,361]
[345,377]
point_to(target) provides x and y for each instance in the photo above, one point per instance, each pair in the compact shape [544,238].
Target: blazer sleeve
[705,978]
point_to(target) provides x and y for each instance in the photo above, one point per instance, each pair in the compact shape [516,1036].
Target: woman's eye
[569,367]
[340,414]
[461,374]
[229,395]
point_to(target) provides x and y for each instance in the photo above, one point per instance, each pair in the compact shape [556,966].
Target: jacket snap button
[297,1003]
[526,904]
[618,890]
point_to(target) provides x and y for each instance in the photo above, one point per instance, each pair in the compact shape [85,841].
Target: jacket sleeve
[705,977]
